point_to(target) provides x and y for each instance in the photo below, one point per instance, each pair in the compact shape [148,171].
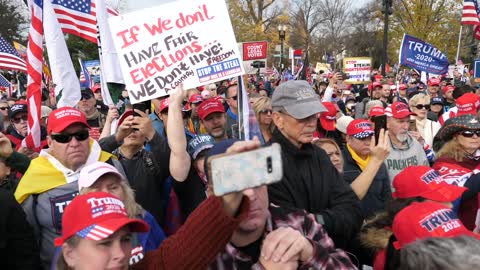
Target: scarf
[45,172]
[362,163]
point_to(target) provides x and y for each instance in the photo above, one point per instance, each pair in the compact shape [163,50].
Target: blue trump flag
[420,55]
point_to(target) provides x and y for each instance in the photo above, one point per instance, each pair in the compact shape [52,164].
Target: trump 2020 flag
[420,55]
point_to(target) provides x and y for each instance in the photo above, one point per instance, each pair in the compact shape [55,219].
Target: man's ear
[49,141]
[277,119]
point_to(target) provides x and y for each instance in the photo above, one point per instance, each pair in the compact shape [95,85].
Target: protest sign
[325,67]
[254,50]
[358,69]
[457,70]
[93,69]
[178,42]
[420,55]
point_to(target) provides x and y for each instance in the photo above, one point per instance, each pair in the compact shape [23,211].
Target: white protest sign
[179,42]
[358,69]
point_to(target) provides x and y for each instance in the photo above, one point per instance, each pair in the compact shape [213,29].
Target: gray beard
[402,137]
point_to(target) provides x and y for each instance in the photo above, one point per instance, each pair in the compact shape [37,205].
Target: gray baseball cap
[298,98]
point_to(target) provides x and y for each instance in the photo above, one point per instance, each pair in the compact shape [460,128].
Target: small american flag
[78,17]
[471,15]
[10,58]
[470,12]
[5,85]
[95,232]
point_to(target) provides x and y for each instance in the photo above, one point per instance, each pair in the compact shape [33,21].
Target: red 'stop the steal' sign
[254,50]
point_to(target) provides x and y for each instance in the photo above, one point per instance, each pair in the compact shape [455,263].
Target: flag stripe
[34,70]
[470,12]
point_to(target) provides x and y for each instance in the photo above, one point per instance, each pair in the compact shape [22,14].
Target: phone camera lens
[269,165]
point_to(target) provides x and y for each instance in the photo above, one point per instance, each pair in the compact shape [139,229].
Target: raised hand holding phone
[231,172]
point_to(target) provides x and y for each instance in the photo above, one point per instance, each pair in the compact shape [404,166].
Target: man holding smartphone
[273,237]
[310,180]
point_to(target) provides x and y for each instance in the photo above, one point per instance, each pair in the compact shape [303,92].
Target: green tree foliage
[81,48]
[12,21]
[435,21]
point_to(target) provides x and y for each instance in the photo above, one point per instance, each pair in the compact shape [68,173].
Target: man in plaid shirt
[276,237]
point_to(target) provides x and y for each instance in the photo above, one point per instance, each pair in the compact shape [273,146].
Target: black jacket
[18,247]
[311,182]
[379,191]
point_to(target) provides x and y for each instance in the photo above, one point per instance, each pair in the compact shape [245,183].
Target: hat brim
[304,110]
[200,149]
[363,134]
[212,111]
[108,227]
[63,125]
[403,115]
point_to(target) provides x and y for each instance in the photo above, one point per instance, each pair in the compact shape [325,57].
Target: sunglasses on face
[267,111]
[17,120]
[65,137]
[421,106]
[234,97]
[86,97]
[470,133]
[3,108]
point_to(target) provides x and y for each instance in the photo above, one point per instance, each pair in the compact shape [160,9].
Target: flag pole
[458,46]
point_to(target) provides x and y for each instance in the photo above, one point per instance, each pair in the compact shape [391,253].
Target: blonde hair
[261,104]
[452,149]
[131,206]
[416,98]
[322,141]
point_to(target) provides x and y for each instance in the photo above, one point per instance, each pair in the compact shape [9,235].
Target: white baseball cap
[90,173]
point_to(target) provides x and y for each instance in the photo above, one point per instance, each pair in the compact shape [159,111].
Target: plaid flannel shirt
[325,256]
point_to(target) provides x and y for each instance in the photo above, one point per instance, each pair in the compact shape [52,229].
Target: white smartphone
[237,172]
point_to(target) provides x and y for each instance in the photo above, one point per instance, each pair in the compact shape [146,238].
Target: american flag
[10,58]
[34,70]
[78,17]
[471,15]
[95,232]
[5,84]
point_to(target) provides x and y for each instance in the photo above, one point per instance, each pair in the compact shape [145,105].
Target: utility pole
[387,11]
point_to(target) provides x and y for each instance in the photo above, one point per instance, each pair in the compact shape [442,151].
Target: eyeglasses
[421,106]
[17,120]
[470,133]
[303,120]
[66,138]
[267,111]
[86,97]
[3,108]
[234,97]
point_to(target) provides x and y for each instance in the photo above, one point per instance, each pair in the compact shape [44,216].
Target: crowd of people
[115,187]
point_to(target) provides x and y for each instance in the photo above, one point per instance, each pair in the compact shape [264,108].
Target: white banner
[178,42]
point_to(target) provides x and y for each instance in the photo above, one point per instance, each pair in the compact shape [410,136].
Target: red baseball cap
[426,219]
[425,182]
[96,87]
[376,84]
[402,87]
[376,111]
[398,110]
[194,99]
[468,103]
[360,129]
[209,106]
[164,104]
[433,82]
[96,216]
[448,88]
[329,118]
[126,114]
[61,118]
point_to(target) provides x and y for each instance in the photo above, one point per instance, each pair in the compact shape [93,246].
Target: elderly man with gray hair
[310,180]
[460,253]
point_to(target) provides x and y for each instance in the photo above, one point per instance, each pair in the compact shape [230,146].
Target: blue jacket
[379,191]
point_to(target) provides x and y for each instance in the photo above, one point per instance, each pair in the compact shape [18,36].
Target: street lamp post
[281,35]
